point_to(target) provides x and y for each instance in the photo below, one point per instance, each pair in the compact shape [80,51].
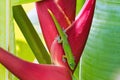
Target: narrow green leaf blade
[31,35]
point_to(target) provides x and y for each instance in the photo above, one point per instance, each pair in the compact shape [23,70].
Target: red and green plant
[52,65]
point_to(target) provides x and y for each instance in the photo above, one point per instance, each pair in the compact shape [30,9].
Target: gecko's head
[72,66]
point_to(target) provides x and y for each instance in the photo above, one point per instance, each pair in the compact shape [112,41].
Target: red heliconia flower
[64,10]
[30,71]
[77,31]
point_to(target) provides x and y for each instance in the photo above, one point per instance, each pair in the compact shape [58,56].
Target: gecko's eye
[72,64]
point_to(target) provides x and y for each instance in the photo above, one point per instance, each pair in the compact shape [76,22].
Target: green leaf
[23,50]
[31,35]
[76,73]
[4,23]
[101,58]
[19,2]
[6,34]
[79,5]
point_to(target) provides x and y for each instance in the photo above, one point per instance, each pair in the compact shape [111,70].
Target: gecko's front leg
[64,58]
[59,40]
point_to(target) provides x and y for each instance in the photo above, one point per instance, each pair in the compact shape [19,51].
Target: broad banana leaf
[101,57]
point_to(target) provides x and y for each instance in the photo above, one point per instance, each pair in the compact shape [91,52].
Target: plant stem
[6,34]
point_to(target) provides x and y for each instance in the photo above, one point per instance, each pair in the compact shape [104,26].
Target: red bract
[69,8]
[30,71]
[79,30]
[64,10]
[77,34]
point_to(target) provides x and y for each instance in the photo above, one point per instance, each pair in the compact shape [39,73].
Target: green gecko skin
[63,39]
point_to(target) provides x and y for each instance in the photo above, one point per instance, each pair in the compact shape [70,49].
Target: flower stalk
[7,38]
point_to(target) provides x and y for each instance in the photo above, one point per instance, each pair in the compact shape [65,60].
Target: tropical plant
[52,63]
